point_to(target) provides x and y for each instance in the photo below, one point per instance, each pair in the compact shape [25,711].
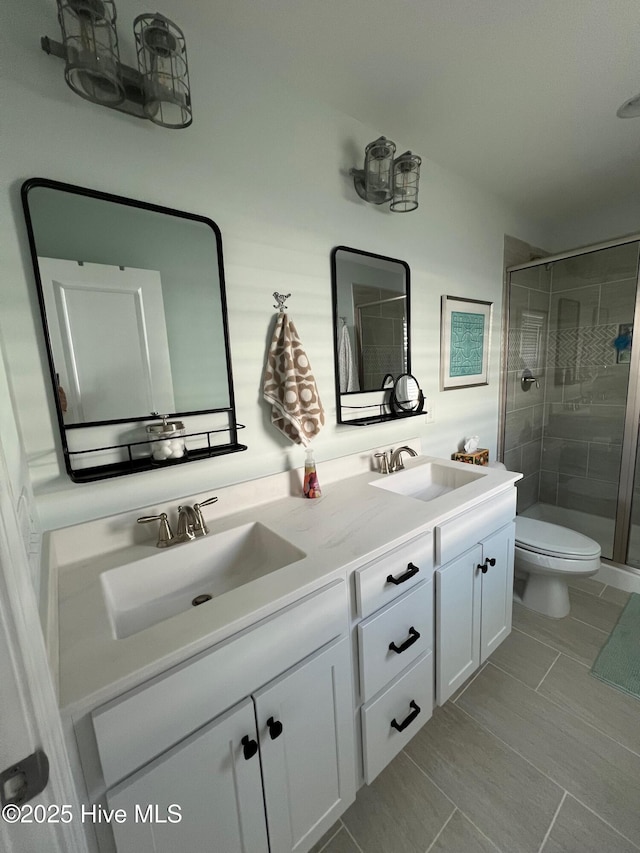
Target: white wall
[270,167]
[596,226]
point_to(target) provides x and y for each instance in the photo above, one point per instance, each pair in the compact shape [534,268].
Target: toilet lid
[546,538]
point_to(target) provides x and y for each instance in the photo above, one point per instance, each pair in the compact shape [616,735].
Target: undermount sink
[176,579]
[429,481]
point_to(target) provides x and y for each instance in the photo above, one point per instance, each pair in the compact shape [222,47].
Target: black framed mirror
[371,316]
[133,306]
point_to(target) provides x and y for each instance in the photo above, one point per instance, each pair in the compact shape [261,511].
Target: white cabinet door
[306,733]
[497,589]
[474,600]
[215,781]
[458,603]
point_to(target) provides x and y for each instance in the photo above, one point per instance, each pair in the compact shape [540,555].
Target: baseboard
[621,577]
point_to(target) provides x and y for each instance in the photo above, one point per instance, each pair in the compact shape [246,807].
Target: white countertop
[351,523]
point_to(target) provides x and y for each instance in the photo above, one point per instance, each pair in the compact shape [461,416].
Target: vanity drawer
[391,639]
[464,531]
[392,719]
[139,725]
[380,582]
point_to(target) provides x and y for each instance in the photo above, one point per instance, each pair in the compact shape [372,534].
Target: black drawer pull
[414,636]
[249,747]
[411,571]
[400,727]
[484,568]
[275,728]
[491,561]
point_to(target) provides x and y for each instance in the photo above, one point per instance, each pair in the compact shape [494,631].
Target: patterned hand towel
[289,386]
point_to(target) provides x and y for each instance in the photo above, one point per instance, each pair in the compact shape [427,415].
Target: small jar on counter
[166,441]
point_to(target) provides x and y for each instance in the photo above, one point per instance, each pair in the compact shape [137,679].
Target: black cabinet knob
[491,561]
[484,568]
[275,728]
[249,747]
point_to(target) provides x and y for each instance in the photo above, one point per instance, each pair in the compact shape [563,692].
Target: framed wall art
[465,333]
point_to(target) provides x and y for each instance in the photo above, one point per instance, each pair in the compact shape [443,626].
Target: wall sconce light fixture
[158,89]
[388,179]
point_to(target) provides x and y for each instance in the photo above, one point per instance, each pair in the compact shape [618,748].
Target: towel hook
[281,298]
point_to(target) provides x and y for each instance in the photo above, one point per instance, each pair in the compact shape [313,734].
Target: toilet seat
[552,540]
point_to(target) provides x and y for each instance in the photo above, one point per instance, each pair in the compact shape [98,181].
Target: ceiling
[518,96]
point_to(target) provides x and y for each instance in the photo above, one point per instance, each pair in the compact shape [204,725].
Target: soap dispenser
[311,487]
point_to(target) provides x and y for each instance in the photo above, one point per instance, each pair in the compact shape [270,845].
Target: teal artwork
[467,343]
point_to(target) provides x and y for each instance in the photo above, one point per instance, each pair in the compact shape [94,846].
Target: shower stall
[571,404]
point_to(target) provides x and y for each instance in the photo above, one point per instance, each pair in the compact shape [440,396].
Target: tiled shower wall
[566,435]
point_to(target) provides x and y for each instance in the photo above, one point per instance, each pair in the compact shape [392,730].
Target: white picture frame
[465,340]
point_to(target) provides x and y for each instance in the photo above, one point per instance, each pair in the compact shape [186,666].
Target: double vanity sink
[171,581]
[127,610]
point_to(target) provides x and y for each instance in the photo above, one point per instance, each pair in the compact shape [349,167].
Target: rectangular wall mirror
[133,305]
[371,310]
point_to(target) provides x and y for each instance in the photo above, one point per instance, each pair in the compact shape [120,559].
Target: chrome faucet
[187,522]
[391,460]
[191,524]
[395,463]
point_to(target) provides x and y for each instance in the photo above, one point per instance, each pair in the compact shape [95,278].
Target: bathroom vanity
[252,720]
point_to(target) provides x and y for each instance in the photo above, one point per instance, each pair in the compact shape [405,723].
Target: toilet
[547,556]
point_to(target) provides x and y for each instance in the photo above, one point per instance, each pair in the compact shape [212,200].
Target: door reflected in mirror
[109,340]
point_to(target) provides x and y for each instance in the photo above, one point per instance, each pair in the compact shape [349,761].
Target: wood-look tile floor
[532,755]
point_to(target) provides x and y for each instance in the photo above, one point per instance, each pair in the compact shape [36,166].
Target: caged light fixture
[158,89]
[386,178]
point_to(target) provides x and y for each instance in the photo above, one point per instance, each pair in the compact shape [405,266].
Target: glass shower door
[575,422]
